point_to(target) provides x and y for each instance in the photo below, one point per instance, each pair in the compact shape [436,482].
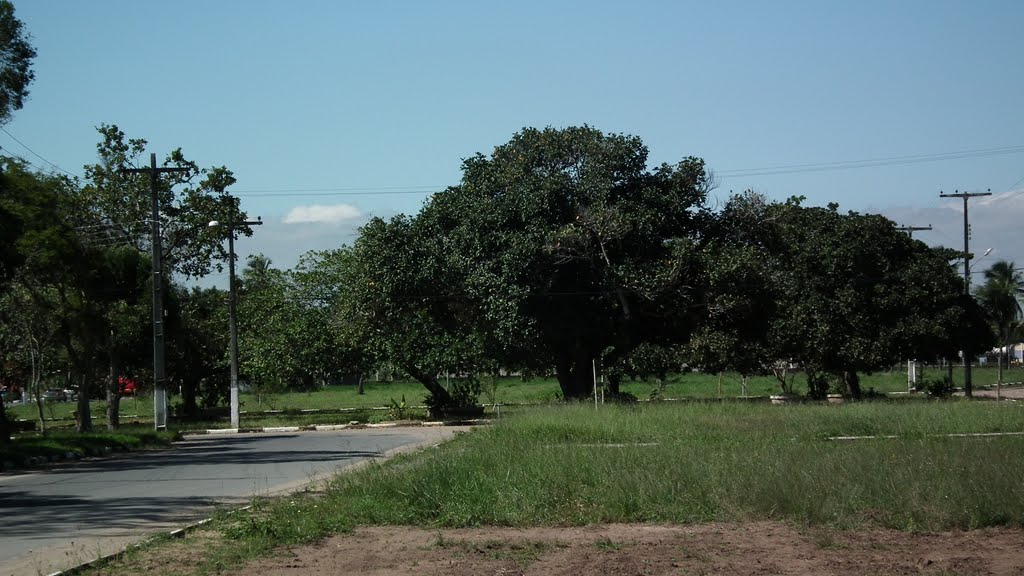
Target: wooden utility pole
[159,373]
[968,358]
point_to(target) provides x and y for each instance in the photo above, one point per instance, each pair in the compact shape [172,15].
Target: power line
[871,163]
[23,159]
[733,173]
[37,155]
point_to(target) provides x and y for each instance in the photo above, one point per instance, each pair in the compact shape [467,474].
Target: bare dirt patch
[752,548]
[1014,392]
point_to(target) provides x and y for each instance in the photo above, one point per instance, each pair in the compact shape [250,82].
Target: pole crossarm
[911,229]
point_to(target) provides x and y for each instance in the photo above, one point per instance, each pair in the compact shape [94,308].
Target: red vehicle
[127,386]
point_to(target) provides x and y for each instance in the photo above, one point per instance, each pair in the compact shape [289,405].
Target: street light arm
[217,224]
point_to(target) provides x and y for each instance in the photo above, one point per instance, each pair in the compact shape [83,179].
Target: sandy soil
[754,548]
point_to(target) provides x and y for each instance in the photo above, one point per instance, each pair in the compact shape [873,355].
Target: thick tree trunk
[36,389]
[575,375]
[440,395]
[852,382]
[307,382]
[188,396]
[39,409]
[359,386]
[83,419]
[83,415]
[113,395]
[612,384]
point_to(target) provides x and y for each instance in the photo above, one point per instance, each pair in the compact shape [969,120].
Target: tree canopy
[562,250]
[849,292]
[559,248]
[16,55]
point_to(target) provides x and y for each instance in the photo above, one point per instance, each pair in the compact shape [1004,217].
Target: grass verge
[257,409]
[57,445]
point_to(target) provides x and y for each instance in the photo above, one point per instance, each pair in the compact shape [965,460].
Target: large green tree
[65,279]
[401,304]
[197,326]
[289,335]
[559,249]
[851,293]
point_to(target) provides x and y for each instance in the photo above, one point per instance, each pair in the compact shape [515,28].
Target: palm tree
[999,295]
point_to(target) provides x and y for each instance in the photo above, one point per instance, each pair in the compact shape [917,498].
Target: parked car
[55,395]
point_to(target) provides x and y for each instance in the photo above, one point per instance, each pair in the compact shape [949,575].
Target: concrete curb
[335,427]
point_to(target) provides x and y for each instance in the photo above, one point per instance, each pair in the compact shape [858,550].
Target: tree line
[76,272]
[559,252]
[562,250]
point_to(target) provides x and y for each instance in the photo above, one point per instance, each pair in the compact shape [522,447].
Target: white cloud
[320,214]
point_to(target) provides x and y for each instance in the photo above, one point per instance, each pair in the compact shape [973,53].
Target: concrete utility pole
[232,307]
[968,358]
[159,375]
[912,364]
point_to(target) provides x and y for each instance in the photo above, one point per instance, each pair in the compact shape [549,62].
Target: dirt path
[755,548]
[1006,392]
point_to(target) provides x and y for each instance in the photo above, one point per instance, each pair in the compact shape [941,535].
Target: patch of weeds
[441,542]
[522,554]
[397,410]
[658,393]
[607,544]
[825,539]
[693,554]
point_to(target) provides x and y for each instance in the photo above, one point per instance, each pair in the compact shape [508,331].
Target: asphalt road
[54,519]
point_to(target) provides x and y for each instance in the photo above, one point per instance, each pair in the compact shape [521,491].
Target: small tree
[1000,297]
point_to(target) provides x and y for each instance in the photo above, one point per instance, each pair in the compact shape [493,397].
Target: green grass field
[565,465]
[684,463]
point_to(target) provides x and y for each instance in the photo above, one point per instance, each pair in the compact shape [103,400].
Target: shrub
[939,387]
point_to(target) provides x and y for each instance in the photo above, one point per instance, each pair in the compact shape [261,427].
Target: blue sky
[381,96]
